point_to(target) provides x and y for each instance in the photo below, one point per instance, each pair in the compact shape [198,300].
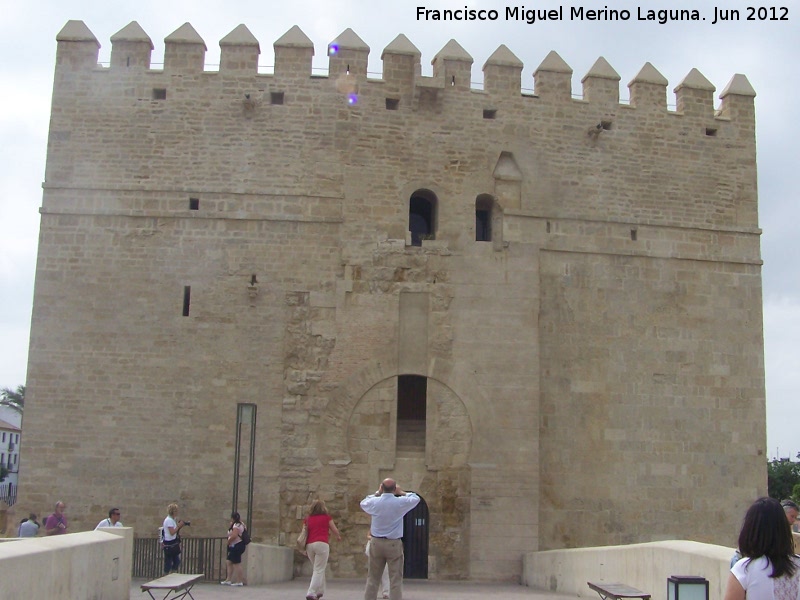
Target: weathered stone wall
[647,359]
[602,353]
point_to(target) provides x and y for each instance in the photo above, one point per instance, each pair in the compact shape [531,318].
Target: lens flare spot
[352,99]
[346,84]
[333,49]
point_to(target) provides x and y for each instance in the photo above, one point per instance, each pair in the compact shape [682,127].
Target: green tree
[783,476]
[18,395]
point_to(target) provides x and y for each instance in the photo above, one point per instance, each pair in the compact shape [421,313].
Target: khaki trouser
[383,553]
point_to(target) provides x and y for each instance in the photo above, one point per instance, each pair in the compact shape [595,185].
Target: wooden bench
[615,591]
[177,584]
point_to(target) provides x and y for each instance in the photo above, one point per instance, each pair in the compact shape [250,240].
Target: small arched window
[483,218]
[422,216]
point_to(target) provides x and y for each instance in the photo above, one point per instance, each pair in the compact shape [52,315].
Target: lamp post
[687,587]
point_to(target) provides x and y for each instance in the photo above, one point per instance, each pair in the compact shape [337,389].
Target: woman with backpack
[236,547]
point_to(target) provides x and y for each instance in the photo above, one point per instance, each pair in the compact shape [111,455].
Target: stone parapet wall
[92,564]
[643,566]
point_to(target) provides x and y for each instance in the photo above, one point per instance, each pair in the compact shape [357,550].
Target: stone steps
[410,438]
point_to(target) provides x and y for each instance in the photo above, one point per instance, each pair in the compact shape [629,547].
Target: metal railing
[8,496]
[198,555]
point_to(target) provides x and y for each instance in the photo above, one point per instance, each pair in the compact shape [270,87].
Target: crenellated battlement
[299,134]
[348,55]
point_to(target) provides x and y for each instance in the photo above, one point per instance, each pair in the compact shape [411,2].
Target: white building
[10,433]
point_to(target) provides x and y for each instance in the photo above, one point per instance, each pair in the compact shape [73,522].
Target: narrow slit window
[194,203]
[392,103]
[276,98]
[159,93]
[489,113]
[710,132]
[483,231]
[412,395]
[483,218]
[187,298]
[634,234]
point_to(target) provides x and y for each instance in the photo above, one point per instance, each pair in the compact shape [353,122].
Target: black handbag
[172,547]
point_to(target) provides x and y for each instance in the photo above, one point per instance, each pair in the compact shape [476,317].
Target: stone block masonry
[541,313]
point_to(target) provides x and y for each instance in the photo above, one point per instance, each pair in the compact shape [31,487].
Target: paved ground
[351,589]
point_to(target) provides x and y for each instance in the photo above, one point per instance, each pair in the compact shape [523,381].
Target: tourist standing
[56,523]
[112,520]
[320,525]
[171,543]
[236,548]
[28,527]
[387,507]
[769,568]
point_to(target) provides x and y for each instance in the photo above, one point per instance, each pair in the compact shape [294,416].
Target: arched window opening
[483,218]
[422,216]
[412,400]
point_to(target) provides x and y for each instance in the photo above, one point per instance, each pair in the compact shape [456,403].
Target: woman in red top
[320,525]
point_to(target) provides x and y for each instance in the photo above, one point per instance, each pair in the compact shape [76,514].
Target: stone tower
[542,313]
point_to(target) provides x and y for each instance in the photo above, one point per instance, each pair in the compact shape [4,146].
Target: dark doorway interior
[415,542]
[412,399]
[420,220]
[483,224]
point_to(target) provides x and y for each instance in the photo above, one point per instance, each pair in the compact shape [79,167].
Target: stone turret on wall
[184,50]
[601,83]
[502,72]
[552,79]
[738,102]
[649,89]
[695,95]
[77,47]
[348,56]
[131,48]
[294,52]
[239,52]
[453,64]
[401,65]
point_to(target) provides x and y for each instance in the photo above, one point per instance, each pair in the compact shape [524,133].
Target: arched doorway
[415,542]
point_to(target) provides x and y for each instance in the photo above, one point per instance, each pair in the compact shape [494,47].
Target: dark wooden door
[415,542]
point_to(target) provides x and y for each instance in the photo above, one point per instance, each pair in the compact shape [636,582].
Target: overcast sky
[767,52]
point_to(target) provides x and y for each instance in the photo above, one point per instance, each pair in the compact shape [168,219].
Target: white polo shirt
[387,511]
[108,523]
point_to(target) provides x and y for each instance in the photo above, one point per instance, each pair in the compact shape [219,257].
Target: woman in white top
[172,541]
[769,568]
